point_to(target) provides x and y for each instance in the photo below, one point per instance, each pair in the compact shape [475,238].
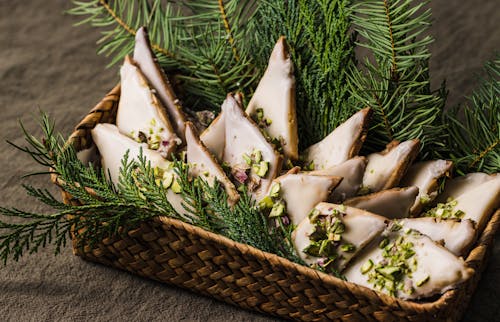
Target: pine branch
[322,51]
[474,129]
[201,44]
[394,78]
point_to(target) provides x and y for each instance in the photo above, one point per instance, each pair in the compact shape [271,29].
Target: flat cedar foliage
[209,48]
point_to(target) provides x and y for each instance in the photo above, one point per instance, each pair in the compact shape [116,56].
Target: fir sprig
[475,128]
[201,44]
[393,78]
[100,209]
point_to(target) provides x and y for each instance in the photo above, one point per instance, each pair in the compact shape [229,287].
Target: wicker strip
[174,252]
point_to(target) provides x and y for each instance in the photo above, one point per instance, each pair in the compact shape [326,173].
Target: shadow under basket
[173,252]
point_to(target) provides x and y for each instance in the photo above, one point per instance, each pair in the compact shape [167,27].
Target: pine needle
[474,129]
[394,78]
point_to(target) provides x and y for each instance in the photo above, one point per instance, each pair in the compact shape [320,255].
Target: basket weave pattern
[174,252]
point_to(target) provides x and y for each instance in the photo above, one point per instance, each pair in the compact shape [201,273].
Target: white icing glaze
[275,94]
[392,203]
[479,202]
[147,62]
[214,135]
[459,185]
[138,106]
[113,145]
[337,147]
[242,136]
[203,164]
[302,192]
[383,166]
[444,269]
[456,235]
[424,175]
[88,155]
[352,171]
[361,227]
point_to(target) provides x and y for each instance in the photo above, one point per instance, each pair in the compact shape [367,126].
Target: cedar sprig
[101,209]
[474,129]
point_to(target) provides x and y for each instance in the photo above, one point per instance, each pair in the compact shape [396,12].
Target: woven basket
[174,252]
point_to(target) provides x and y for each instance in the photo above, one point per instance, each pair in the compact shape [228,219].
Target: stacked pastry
[381,220]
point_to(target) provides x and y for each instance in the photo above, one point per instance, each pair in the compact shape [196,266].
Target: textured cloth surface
[48,64]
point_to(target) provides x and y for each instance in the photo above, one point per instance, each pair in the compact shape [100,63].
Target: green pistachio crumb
[278,210]
[348,248]
[266,203]
[263,169]
[313,215]
[423,281]
[425,199]
[168,178]
[247,159]
[176,187]
[257,155]
[389,272]
[367,267]
[383,243]
[275,190]
[259,113]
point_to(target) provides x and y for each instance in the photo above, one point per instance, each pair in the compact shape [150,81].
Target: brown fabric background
[46,63]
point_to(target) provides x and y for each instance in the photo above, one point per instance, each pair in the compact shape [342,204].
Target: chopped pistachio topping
[266,203]
[313,215]
[278,209]
[263,168]
[163,176]
[153,137]
[255,162]
[274,206]
[260,118]
[348,248]
[367,266]
[247,159]
[310,166]
[176,187]
[168,178]
[257,155]
[423,281]
[326,239]
[425,199]
[445,210]
[275,190]
[398,263]
[383,243]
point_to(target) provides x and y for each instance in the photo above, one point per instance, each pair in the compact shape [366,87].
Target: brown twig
[384,117]
[485,152]
[130,30]
[228,30]
[389,24]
